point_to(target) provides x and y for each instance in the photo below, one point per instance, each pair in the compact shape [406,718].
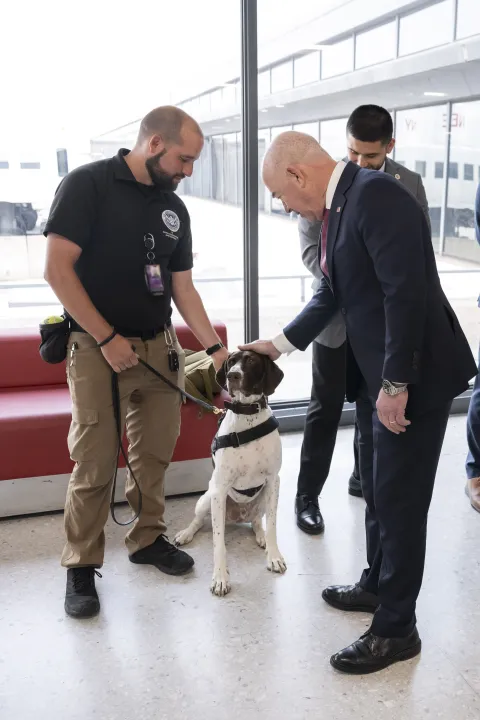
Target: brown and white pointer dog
[247,456]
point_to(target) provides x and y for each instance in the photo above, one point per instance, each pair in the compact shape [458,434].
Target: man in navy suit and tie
[410,359]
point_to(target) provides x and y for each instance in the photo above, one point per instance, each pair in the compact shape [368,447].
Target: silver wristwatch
[390,388]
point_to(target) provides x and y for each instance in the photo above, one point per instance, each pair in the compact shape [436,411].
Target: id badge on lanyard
[153,271]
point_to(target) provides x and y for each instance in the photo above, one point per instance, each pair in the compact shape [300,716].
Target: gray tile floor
[165,648]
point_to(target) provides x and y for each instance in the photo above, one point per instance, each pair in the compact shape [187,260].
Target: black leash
[121,449]
[204,405]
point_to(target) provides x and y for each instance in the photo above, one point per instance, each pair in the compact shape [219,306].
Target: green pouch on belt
[200,376]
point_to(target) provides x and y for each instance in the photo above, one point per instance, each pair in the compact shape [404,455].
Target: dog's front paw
[276,563]
[260,538]
[220,583]
[184,537]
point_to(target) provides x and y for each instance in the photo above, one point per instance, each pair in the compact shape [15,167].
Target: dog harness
[235,440]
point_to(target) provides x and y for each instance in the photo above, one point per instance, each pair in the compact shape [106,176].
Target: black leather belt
[129,332]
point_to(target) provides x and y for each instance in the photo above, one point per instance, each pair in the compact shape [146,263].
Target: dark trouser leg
[364,407]
[323,417]
[473,432]
[356,467]
[403,478]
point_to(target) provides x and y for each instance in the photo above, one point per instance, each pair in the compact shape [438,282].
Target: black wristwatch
[214,348]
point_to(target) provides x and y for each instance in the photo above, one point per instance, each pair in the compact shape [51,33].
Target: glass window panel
[216,99]
[332,137]
[468,18]
[282,77]
[460,241]
[464,150]
[229,95]
[264,83]
[264,196]
[439,169]
[453,170]
[421,167]
[337,59]
[284,282]
[311,128]
[93,121]
[468,171]
[204,103]
[426,28]
[420,137]
[306,69]
[376,46]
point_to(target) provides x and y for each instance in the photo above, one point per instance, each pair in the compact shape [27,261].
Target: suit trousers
[397,483]
[473,430]
[322,419]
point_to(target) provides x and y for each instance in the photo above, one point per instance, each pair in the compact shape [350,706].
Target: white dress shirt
[281,343]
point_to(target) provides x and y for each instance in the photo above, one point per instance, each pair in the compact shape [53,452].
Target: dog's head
[246,373]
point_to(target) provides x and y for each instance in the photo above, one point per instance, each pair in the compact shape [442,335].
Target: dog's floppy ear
[273,376]
[221,375]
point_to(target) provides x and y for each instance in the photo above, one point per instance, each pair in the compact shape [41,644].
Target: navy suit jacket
[383,276]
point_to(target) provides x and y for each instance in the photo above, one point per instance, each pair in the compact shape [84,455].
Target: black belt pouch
[53,347]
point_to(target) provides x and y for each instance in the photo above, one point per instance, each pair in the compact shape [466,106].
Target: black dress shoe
[354,486]
[309,517]
[351,598]
[372,653]
[164,556]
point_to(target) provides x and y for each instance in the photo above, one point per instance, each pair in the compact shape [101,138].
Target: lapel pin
[397,177]
[338,209]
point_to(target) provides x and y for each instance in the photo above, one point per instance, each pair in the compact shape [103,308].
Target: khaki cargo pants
[151,412]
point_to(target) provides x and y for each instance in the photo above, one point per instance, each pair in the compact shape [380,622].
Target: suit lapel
[338,203]
[395,170]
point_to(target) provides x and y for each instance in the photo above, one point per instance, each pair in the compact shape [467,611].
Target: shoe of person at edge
[472,490]
[309,517]
[350,598]
[371,653]
[354,486]
[81,599]
[164,556]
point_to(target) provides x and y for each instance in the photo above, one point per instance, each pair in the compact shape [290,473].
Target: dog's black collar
[246,436]
[246,408]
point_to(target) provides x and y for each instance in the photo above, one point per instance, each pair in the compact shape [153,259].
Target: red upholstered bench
[35,413]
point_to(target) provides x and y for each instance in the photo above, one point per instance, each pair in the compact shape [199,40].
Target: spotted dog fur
[248,377]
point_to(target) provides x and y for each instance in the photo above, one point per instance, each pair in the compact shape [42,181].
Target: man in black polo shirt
[119,251]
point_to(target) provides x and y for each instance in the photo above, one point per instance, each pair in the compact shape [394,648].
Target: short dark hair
[370,123]
[167,121]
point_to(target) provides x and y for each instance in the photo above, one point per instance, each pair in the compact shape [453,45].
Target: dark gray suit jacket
[334,334]
[383,275]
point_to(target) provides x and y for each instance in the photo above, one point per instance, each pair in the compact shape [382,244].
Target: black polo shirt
[105,211]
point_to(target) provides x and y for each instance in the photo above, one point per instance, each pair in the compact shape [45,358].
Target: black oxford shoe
[352,598]
[309,517]
[372,653]
[354,486]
